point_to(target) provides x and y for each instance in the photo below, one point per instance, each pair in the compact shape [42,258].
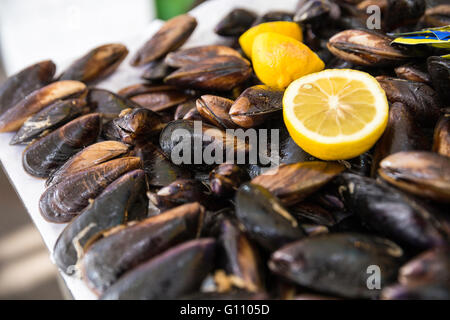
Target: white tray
[30,189]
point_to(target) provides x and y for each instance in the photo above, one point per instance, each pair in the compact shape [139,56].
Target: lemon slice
[335,114]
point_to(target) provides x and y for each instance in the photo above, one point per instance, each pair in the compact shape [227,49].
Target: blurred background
[34,30]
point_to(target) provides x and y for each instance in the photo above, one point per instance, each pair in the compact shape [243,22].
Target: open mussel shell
[53,116]
[16,116]
[221,73]
[225,179]
[185,57]
[264,218]
[170,275]
[255,105]
[422,101]
[125,247]
[425,174]
[338,263]
[89,157]
[134,125]
[439,69]
[235,23]
[366,48]
[441,142]
[159,169]
[194,143]
[108,104]
[216,111]
[47,154]
[390,212]
[96,64]
[122,201]
[294,182]
[402,134]
[172,35]
[21,84]
[61,202]
[240,259]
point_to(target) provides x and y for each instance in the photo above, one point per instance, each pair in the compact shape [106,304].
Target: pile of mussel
[141,226]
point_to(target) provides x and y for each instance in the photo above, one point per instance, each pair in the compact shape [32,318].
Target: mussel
[184,108]
[89,157]
[15,117]
[124,247]
[439,70]
[366,48]
[179,192]
[19,85]
[221,73]
[255,105]
[225,179]
[438,16]
[264,218]
[294,182]
[432,266]
[235,23]
[441,142]
[422,101]
[134,125]
[187,142]
[47,154]
[402,134]
[413,72]
[49,118]
[240,259]
[169,37]
[156,71]
[122,201]
[161,100]
[390,212]
[170,275]
[96,64]
[427,291]
[216,111]
[160,170]
[314,10]
[185,57]
[61,202]
[339,264]
[400,13]
[107,103]
[425,174]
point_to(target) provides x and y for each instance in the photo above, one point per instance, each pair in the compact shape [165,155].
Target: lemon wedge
[335,114]
[286,28]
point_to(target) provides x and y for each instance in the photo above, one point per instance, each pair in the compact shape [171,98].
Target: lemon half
[335,114]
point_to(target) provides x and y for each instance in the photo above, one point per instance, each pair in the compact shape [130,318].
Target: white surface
[33,30]
[30,188]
